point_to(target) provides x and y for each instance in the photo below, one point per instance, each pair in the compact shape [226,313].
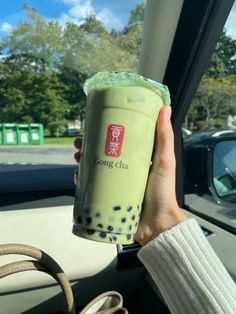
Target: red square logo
[115,136]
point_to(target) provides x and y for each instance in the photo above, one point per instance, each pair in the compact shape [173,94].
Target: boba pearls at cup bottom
[118,227]
[105,237]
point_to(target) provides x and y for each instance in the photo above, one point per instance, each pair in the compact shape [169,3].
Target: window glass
[47,50]
[214,104]
[209,132]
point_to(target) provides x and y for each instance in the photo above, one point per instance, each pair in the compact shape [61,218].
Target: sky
[113,13]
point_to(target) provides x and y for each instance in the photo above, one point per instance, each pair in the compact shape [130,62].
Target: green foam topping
[103,80]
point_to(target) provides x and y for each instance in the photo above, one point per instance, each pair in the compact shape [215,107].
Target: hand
[77,155]
[78,144]
[160,209]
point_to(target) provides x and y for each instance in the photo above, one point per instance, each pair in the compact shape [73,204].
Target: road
[42,154]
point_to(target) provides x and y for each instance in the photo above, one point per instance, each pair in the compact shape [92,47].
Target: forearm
[188,272]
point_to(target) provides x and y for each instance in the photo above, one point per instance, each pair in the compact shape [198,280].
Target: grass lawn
[60,140]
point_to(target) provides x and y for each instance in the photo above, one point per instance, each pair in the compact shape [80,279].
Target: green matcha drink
[121,114]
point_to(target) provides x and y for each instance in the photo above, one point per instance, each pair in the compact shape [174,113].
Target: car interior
[178,40]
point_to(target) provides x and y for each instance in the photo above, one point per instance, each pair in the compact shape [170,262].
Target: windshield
[47,50]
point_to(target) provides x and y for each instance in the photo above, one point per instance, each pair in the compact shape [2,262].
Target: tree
[46,65]
[29,95]
[216,97]
[36,37]
[94,50]
[73,93]
[214,100]
[56,120]
[93,26]
[137,15]
[16,103]
[15,80]
[223,60]
[130,38]
[34,51]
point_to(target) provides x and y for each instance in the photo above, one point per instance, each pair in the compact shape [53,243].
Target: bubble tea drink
[121,114]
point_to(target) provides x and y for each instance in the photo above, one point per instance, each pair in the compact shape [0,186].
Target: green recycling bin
[1,134]
[23,134]
[36,133]
[9,134]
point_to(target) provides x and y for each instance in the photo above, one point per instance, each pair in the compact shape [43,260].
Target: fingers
[78,143]
[164,156]
[77,156]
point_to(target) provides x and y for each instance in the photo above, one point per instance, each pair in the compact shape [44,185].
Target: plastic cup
[121,114]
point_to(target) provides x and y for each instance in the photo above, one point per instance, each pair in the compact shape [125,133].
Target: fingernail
[167,113]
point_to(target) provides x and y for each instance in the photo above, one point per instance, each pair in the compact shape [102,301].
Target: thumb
[164,156]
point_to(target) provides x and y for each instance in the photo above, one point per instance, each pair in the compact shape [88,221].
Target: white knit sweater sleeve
[188,273]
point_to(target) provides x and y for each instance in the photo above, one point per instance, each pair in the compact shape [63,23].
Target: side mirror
[224,170]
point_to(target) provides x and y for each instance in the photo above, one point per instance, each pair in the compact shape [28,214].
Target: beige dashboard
[90,266]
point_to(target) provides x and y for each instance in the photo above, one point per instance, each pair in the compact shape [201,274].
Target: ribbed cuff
[188,272]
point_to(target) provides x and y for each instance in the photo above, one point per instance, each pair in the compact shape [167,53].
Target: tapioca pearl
[133,217]
[90,231]
[130,227]
[114,238]
[129,208]
[97,215]
[128,236]
[100,225]
[110,228]
[103,234]
[117,208]
[88,220]
[136,224]
[79,219]
[123,219]
[110,239]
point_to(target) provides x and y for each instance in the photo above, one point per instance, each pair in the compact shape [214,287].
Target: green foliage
[131,37]
[46,65]
[137,15]
[92,26]
[59,140]
[214,100]
[42,75]
[223,60]
[72,85]
[30,94]
[36,37]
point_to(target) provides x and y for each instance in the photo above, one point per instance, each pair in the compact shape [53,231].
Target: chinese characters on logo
[115,135]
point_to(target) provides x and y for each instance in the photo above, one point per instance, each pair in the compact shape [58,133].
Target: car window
[47,50]
[214,104]
[211,122]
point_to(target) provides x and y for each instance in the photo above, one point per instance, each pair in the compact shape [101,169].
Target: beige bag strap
[106,303]
[44,263]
